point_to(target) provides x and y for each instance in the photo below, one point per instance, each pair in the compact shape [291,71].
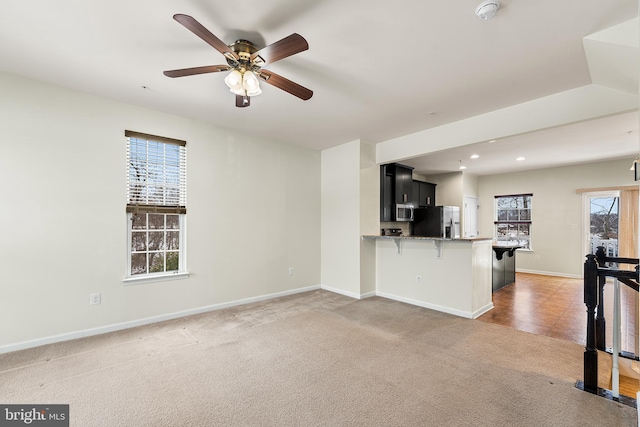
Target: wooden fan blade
[288,46]
[285,84]
[196,28]
[196,70]
[242,101]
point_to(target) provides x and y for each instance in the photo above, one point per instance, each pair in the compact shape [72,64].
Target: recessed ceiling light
[493,140]
[474,156]
[520,159]
[462,168]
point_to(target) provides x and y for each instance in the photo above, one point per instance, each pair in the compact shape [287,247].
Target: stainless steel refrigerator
[437,221]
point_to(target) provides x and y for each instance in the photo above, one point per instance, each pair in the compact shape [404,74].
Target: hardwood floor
[553,306]
[543,305]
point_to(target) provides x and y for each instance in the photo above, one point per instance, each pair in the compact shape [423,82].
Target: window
[156,205]
[513,219]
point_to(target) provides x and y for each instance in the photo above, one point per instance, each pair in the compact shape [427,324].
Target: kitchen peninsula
[448,275]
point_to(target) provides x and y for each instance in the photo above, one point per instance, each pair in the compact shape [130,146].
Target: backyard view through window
[156,204]
[604,224]
[513,219]
[155,243]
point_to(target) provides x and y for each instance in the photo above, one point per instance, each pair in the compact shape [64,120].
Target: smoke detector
[486,10]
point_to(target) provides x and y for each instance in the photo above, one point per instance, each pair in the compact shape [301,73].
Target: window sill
[154,278]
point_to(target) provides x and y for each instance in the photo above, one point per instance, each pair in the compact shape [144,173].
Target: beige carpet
[313,359]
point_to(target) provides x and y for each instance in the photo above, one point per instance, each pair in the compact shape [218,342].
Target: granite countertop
[472,239]
[503,244]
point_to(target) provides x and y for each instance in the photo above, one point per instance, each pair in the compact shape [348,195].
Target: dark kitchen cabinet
[424,194]
[396,187]
[386,193]
[403,184]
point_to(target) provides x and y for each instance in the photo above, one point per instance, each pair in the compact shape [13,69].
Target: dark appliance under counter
[437,221]
[504,265]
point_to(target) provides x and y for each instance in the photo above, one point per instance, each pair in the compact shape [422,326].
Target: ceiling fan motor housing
[244,49]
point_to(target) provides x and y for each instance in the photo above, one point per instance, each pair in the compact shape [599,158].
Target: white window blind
[157,174]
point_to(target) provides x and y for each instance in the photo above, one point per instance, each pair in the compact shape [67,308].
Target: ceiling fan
[245,61]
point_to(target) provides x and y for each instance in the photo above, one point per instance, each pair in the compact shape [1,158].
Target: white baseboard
[459,313]
[368,295]
[146,321]
[345,293]
[479,312]
[549,273]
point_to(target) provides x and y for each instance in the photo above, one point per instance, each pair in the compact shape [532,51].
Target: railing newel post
[591,300]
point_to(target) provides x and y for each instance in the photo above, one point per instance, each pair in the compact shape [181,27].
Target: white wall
[469,185]
[448,188]
[556,211]
[341,218]
[350,208]
[369,216]
[253,212]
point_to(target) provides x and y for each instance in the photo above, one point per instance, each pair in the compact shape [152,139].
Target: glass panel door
[603,223]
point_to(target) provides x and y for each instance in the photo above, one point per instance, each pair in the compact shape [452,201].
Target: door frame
[465,218]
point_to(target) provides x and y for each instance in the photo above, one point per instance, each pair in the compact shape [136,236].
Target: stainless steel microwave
[404,212]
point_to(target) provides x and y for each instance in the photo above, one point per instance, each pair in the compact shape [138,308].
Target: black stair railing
[596,270]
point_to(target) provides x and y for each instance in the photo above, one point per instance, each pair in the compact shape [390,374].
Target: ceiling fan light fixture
[250,83]
[254,92]
[234,81]
[249,80]
[487,10]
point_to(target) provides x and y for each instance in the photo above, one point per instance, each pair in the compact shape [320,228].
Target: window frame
[529,222]
[182,271]
[137,205]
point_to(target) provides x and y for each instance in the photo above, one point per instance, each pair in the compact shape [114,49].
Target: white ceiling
[611,137]
[378,69]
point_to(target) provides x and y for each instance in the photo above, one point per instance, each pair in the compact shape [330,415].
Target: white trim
[549,273]
[128,281]
[449,310]
[347,293]
[146,321]
[158,277]
[586,214]
[479,312]
[368,295]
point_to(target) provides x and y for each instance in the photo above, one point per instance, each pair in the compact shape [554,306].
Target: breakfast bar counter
[448,275]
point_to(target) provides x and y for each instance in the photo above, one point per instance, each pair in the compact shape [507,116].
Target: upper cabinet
[396,187]
[386,193]
[403,184]
[424,194]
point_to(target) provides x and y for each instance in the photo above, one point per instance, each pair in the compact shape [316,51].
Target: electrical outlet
[418,279]
[95,298]
[291,271]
